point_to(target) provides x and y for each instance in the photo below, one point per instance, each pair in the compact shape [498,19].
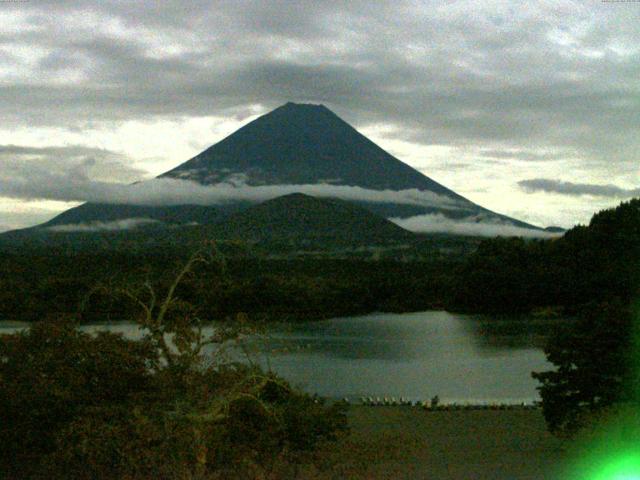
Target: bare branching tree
[174,327]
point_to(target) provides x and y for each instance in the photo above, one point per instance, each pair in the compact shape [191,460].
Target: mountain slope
[102,212]
[303,144]
[294,145]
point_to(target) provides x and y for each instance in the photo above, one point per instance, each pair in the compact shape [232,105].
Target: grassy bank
[409,443]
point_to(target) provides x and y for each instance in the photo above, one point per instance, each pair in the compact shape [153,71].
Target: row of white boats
[436,404]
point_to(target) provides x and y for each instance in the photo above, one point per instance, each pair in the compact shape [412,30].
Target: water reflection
[496,333]
[386,337]
[414,355]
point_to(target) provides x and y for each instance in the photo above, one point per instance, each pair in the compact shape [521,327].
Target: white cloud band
[472,226]
[116,225]
[170,191]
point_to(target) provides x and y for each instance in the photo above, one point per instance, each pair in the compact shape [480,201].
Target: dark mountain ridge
[295,221]
[304,218]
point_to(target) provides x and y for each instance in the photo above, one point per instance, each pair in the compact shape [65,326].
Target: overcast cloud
[569,188]
[478,95]
[29,164]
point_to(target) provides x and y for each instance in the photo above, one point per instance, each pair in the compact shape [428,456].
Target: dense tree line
[48,283]
[588,264]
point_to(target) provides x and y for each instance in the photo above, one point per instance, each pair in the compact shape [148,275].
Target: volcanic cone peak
[303,144]
[298,145]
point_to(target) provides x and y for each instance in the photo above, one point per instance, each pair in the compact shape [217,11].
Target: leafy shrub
[53,372]
[78,406]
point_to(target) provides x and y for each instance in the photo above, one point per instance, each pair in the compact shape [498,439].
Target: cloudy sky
[531,109]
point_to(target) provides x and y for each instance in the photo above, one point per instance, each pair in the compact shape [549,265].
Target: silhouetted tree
[595,368]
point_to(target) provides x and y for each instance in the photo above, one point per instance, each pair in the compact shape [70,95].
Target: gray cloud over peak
[32,183]
[444,75]
[576,189]
[124,224]
[430,223]
[84,174]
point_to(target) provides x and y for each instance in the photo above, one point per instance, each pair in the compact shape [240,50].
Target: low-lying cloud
[472,226]
[116,225]
[27,180]
[577,189]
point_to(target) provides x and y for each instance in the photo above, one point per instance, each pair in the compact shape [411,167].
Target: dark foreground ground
[409,443]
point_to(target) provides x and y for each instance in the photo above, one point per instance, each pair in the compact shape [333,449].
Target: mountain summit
[299,148]
[303,144]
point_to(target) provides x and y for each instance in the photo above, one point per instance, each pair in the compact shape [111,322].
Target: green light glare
[608,446]
[635,335]
[621,467]
[610,450]
[613,449]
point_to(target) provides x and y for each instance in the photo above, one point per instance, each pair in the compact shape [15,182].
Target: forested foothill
[558,276]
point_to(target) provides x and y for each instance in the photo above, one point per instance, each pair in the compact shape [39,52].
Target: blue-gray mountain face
[299,144]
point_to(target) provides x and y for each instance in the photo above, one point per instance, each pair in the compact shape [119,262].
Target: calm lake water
[413,355]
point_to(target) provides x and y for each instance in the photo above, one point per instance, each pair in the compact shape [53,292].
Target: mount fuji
[296,148]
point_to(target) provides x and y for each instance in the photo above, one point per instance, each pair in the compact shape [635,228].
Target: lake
[413,355]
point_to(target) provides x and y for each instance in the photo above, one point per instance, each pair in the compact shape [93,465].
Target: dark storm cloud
[537,78]
[569,188]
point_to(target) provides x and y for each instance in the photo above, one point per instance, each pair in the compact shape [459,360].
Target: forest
[75,405]
[503,275]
